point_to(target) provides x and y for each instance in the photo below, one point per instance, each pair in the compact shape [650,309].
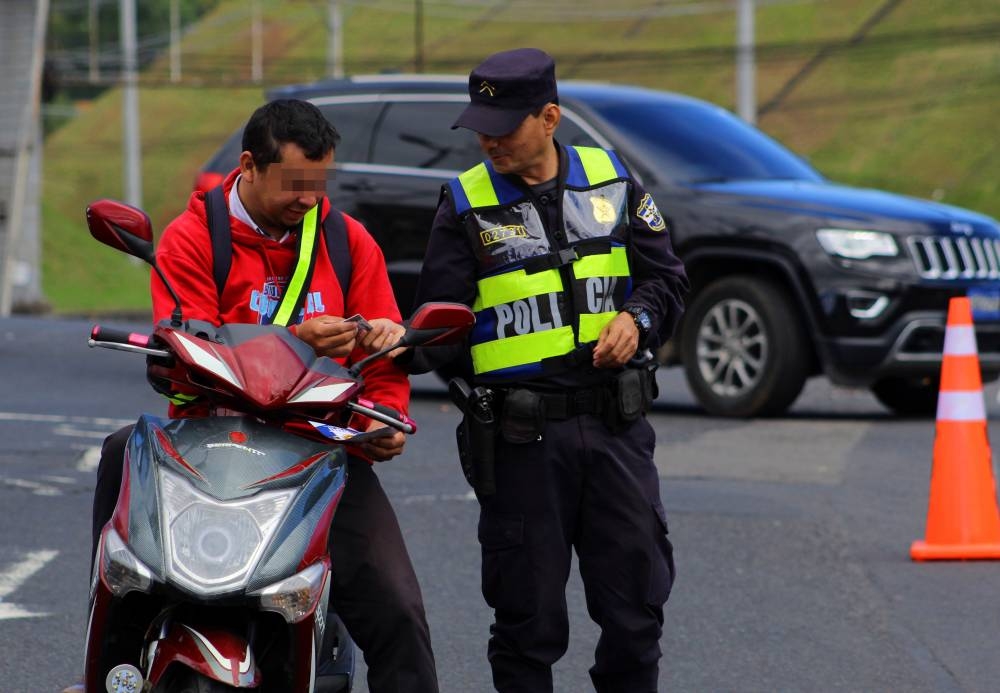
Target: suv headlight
[857,245]
[212,546]
[123,572]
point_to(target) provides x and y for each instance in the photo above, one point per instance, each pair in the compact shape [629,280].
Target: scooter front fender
[213,652]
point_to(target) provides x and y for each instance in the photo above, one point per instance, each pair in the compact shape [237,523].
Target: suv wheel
[913,396]
[743,349]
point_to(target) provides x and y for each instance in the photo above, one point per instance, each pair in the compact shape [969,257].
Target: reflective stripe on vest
[597,164]
[511,286]
[297,285]
[597,267]
[478,188]
[525,318]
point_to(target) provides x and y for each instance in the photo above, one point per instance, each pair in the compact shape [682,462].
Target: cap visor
[492,122]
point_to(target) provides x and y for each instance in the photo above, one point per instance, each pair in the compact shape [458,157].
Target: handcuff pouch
[523,417]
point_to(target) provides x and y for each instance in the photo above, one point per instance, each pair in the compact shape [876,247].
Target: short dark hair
[288,120]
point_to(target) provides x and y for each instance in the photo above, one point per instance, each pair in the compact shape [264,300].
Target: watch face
[641,318]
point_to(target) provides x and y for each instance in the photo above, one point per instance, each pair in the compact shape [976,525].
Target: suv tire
[908,396]
[743,348]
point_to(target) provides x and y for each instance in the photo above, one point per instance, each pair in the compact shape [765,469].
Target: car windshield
[692,142]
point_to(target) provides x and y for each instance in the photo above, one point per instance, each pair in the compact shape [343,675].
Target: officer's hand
[385,448]
[617,343]
[384,333]
[328,335]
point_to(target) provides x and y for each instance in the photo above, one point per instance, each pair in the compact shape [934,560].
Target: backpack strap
[217,212]
[335,235]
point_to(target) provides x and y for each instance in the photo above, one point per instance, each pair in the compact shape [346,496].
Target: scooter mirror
[122,227]
[439,323]
[432,324]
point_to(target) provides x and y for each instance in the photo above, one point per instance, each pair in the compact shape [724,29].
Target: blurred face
[279,195]
[528,150]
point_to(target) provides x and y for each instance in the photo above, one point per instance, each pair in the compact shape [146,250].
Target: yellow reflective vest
[539,301]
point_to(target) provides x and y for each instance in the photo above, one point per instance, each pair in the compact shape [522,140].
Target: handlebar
[386,415]
[135,342]
[111,338]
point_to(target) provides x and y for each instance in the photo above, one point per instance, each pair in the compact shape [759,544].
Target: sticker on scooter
[351,435]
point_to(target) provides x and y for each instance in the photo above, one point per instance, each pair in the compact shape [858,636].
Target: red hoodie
[259,273]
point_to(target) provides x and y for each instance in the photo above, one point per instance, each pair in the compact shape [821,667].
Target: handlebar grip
[405,423]
[110,334]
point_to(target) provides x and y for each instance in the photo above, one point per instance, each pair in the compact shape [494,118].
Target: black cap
[507,87]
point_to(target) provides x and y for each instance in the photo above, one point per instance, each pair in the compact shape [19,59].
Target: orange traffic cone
[963,521]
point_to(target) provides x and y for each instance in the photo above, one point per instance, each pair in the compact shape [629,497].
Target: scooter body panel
[218,484]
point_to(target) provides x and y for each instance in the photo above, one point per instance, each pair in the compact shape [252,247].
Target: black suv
[792,275]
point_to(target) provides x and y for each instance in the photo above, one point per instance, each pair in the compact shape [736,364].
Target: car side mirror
[432,324]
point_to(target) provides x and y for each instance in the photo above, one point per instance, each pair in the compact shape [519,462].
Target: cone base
[922,551]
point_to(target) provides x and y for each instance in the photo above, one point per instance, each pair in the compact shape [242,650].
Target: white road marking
[14,577]
[12,611]
[74,432]
[35,487]
[60,479]
[437,497]
[60,419]
[89,459]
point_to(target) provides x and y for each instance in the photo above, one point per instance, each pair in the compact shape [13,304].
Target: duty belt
[565,405]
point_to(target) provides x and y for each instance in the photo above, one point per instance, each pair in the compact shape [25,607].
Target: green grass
[909,109]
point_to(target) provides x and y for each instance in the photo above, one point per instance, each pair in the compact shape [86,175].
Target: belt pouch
[632,392]
[523,417]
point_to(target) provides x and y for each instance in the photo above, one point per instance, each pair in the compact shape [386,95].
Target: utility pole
[130,105]
[23,52]
[335,40]
[256,43]
[94,66]
[175,41]
[418,36]
[746,105]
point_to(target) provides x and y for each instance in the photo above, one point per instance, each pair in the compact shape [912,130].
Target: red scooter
[213,573]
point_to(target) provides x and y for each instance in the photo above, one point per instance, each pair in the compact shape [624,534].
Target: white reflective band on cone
[960,340]
[961,406]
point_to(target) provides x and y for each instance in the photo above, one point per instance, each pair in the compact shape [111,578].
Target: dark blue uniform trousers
[579,487]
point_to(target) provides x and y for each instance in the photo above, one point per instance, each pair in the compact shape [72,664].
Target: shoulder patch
[648,212]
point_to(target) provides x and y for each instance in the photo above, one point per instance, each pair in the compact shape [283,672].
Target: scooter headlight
[122,571]
[295,597]
[212,546]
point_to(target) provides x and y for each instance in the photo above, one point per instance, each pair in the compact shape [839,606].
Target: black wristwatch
[642,319]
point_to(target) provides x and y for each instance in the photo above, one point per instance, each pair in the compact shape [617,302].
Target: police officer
[569,268]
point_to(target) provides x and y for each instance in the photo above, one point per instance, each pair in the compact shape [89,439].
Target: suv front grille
[944,257]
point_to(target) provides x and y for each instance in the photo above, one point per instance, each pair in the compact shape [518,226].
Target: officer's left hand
[617,343]
[385,448]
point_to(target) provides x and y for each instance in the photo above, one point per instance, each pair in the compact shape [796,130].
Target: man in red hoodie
[288,149]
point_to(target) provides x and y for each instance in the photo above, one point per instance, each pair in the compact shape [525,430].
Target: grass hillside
[894,94]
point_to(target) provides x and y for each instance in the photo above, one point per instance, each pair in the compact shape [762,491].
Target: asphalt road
[791,537]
